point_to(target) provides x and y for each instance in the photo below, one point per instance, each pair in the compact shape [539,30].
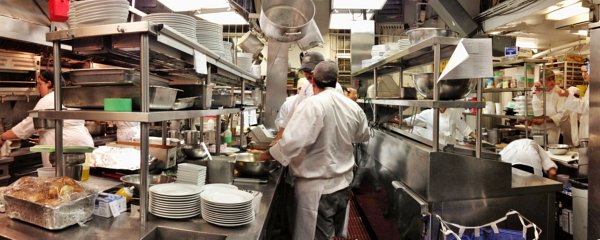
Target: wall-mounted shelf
[423,103]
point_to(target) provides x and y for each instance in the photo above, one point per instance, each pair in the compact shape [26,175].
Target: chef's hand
[563,93]
[265,156]
[537,121]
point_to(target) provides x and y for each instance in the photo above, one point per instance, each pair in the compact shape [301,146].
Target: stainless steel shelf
[518,62]
[496,90]
[163,33]
[502,116]
[424,103]
[134,116]
[411,52]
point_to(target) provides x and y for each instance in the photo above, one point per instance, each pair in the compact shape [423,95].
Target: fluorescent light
[223,18]
[358,4]
[560,5]
[567,12]
[531,43]
[344,20]
[191,5]
[580,32]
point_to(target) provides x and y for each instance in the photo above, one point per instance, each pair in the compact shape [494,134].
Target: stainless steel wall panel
[362,34]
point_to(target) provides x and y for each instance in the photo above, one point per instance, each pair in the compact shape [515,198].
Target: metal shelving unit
[525,90]
[571,72]
[145,46]
[429,51]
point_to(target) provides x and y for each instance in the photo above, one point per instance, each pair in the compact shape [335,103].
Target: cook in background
[126,131]
[528,156]
[555,112]
[74,131]
[289,101]
[350,93]
[451,125]
[321,157]
[581,106]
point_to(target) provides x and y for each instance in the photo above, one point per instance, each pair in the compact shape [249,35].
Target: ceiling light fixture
[229,17]
[567,12]
[357,4]
[191,5]
[339,20]
[580,32]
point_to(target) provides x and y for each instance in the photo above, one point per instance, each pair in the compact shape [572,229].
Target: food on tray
[47,191]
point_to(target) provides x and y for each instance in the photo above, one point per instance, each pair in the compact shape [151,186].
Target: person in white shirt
[527,155]
[317,146]
[309,61]
[555,112]
[289,101]
[450,124]
[580,106]
[74,131]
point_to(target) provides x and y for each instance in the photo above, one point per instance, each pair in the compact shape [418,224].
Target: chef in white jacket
[581,106]
[74,131]
[555,112]
[317,146]
[289,101]
[450,124]
[309,61]
[527,155]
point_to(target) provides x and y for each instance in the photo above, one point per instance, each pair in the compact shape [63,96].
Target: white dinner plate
[175,189]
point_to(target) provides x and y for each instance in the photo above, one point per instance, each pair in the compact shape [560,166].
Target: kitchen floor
[356,227]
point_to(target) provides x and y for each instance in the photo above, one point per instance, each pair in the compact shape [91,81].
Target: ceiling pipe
[568,45]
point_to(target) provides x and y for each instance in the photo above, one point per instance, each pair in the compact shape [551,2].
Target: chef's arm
[551,173]
[278,136]
[473,135]
[547,164]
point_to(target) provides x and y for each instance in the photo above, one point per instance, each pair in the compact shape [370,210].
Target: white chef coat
[317,146]
[284,110]
[527,152]
[126,131]
[554,109]
[451,125]
[582,107]
[74,131]
[307,91]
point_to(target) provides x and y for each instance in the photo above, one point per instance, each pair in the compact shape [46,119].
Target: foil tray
[53,218]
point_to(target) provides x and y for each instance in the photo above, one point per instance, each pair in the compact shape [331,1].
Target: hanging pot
[250,43]
[313,37]
[286,20]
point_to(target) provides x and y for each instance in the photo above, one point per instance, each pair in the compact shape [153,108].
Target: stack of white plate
[97,12]
[244,61]
[175,200]
[228,51]
[191,173]
[227,207]
[403,44]
[210,35]
[184,24]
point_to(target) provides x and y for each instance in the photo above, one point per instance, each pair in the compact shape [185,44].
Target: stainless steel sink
[173,233]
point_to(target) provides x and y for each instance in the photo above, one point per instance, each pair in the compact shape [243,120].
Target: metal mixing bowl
[449,89]
[134,180]
[558,149]
[247,165]
[419,34]
[194,151]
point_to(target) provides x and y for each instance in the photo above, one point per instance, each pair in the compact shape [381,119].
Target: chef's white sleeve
[362,132]
[304,93]
[302,131]
[547,163]
[24,129]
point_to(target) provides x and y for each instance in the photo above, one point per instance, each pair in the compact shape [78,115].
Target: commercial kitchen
[213,119]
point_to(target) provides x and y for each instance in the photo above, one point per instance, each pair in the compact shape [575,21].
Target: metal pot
[95,128]
[286,20]
[558,149]
[41,123]
[192,137]
[134,180]
[251,43]
[419,34]
[313,37]
[194,151]
[247,165]
[449,89]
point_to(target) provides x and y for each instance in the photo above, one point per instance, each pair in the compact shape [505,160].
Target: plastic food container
[46,172]
[118,104]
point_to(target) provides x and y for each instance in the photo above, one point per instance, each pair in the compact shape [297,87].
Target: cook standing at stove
[317,146]
[555,112]
[74,131]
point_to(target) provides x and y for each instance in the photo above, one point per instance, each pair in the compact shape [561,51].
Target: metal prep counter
[404,184]
[125,227]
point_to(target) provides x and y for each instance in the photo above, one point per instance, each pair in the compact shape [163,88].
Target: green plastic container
[118,105]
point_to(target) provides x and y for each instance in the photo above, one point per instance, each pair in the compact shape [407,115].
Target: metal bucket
[313,37]
[286,20]
[250,43]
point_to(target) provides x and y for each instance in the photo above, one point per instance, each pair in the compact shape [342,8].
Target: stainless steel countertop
[125,227]
[524,182]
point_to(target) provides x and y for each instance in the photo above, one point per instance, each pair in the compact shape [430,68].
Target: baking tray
[111,76]
[183,103]
[53,218]
[161,98]
[202,92]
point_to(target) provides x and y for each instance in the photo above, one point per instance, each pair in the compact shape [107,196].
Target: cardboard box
[109,205]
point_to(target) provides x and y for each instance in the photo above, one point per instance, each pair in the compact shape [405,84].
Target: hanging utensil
[206,150]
